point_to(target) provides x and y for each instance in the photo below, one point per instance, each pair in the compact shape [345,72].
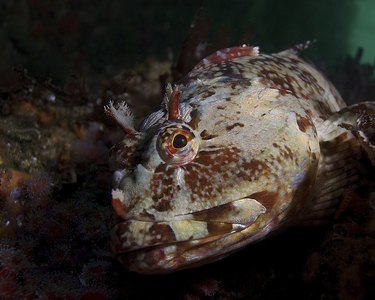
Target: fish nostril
[118,176]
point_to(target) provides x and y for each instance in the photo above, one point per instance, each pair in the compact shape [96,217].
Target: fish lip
[156,260]
[168,258]
[216,214]
[134,233]
[154,246]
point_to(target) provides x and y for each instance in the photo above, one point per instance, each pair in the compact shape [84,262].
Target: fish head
[206,179]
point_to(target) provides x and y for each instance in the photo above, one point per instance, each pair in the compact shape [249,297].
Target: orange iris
[177,144]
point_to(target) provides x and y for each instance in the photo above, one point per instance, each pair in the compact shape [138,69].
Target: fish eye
[177,144]
[179,141]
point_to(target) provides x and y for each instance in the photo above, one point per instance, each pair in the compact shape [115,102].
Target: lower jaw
[189,254]
[167,258]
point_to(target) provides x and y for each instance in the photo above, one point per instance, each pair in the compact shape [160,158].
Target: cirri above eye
[177,144]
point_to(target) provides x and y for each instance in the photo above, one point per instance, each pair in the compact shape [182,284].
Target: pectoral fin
[345,138]
[360,120]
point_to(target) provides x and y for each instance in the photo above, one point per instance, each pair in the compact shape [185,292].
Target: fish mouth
[187,240]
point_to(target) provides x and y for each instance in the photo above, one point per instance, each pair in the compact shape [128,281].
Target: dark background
[57,39]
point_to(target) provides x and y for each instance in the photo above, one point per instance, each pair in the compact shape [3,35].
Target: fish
[246,144]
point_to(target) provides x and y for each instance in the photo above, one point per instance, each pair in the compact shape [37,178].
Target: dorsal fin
[227,54]
[296,49]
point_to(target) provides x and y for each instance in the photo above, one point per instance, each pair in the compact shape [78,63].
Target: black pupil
[179,141]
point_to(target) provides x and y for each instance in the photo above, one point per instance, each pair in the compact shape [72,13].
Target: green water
[338,26]
[363,30]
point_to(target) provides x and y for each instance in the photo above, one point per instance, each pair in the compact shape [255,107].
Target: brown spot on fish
[152,257]
[163,205]
[285,151]
[206,136]
[221,213]
[304,123]
[266,198]
[121,239]
[157,233]
[195,119]
[125,153]
[237,124]
[208,94]
[163,187]
[313,155]
[207,164]
[322,108]
[121,227]
[289,152]
[219,228]
[275,72]
[146,216]
[161,233]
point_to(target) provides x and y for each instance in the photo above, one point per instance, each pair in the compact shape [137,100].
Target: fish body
[242,146]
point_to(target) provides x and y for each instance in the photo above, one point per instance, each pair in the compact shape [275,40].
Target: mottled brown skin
[248,160]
